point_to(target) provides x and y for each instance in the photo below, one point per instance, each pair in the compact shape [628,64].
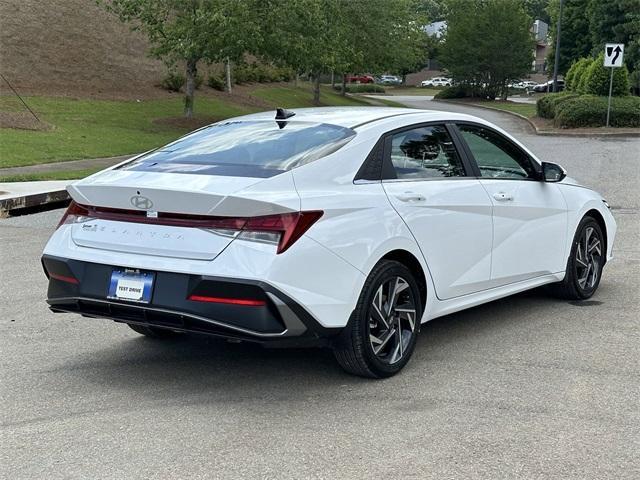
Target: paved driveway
[526,387]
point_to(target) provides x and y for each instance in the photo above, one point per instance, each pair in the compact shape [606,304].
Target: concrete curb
[539,131]
[26,202]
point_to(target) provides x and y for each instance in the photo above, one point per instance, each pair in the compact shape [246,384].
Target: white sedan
[436,82]
[341,227]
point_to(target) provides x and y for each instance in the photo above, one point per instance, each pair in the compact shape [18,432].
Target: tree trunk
[295,80]
[227,68]
[333,79]
[190,88]
[343,92]
[316,89]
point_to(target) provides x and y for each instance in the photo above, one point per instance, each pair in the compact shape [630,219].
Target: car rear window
[246,148]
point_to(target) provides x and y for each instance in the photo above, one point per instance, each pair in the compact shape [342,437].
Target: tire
[585,263]
[153,332]
[393,328]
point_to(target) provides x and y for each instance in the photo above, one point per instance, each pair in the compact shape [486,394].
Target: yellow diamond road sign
[613,53]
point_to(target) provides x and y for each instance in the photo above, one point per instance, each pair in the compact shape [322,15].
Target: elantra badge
[143,203]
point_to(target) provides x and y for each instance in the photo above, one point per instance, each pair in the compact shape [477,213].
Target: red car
[359,79]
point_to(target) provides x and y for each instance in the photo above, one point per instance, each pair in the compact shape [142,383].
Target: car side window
[425,152]
[496,156]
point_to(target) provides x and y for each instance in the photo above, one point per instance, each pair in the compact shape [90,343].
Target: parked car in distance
[437,82]
[389,80]
[359,79]
[548,86]
[522,84]
[344,228]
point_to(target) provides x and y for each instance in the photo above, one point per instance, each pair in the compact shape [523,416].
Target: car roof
[352,117]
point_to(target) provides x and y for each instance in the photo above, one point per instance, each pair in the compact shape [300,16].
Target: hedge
[455,91]
[547,105]
[591,111]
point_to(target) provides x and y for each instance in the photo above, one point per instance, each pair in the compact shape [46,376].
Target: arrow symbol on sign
[617,51]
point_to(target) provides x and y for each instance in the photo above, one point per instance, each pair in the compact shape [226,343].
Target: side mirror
[552,172]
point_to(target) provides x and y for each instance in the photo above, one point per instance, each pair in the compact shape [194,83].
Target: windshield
[246,149]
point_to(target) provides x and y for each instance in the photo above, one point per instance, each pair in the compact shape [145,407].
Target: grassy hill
[90,128]
[73,47]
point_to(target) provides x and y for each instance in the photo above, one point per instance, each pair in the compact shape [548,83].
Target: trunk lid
[145,194]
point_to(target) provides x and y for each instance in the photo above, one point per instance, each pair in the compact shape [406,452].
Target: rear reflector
[289,226]
[229,301]
[64,278]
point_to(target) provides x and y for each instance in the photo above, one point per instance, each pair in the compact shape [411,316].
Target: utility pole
[557,55]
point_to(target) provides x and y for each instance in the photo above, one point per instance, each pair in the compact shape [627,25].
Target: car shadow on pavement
[205,366]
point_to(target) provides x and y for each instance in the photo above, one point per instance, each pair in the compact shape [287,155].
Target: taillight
[75,214]
[282,229]
[287,228]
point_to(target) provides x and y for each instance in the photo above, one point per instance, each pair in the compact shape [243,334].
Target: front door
[529,215]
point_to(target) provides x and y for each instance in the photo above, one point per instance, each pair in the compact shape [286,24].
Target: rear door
[448,212]
[529,215]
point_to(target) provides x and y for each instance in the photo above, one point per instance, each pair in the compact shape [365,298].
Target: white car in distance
[346,228]
[436,82]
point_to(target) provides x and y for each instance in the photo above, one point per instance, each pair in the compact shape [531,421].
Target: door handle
[503,196]
[410,197]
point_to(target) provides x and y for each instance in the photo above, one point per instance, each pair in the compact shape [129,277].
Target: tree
[434,10]
[303,35]
[487,44]
[191,31]
[343,36]
[575,41]
[383,35]
[537,9]
[616,21]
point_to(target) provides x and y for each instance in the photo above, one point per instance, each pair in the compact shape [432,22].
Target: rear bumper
[81,287]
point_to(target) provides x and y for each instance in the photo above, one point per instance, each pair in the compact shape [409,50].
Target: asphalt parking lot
[527,387]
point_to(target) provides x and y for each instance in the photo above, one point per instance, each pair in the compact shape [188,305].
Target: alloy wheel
[588,258]
[392,320]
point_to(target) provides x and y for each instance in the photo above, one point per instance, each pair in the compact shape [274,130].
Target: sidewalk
[15,197]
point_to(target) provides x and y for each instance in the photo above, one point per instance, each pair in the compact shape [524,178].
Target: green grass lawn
[412,91]
[63,175]
[292,97]
[103,128]
[97,128]
[526,109]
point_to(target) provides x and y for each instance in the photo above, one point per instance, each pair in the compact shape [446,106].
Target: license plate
[131,286]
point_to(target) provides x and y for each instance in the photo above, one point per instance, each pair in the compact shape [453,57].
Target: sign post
[613,53]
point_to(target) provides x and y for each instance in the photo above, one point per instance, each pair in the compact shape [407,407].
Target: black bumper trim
[283,321]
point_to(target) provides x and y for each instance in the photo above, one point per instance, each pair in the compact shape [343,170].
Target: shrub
[173,82]
[199,81]
[580,80]
[597,81]
[575,73]
[361,88]
[216,82]
[591,111]
[634,81]
[546,106]
[456,91]
[262,73]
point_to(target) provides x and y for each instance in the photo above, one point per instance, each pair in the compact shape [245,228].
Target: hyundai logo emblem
[141,202]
